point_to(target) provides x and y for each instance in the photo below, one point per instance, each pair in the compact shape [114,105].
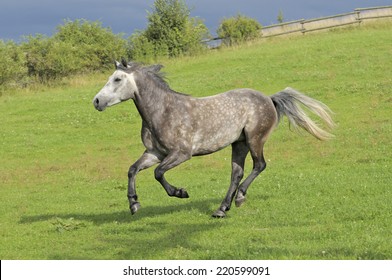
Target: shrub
[97,46]
[239,29]
[170,32]
[142,49]
[48,59]
[78,46]
[12,64]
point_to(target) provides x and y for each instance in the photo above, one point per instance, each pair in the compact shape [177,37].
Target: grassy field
[63,165]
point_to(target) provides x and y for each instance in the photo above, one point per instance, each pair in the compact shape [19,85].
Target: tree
[171,32]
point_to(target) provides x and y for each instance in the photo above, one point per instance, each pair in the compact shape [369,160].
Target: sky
[30,17]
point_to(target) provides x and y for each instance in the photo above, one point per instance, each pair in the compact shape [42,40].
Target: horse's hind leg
[256,146]
[239,153]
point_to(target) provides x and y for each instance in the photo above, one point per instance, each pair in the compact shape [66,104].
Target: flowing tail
[287,102]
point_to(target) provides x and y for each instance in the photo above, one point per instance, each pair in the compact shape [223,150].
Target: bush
[48,59]
[82,46]
[239,29]
[12,64]
[97,46]
[170,32]
[78,47]
[142,49]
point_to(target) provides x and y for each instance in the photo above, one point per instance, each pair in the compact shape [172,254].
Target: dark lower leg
[239,152]
[258,167]
[170,189]
[145,161]
[237,175]
[168,163]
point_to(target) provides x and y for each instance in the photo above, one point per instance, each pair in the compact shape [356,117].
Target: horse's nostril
[96,101]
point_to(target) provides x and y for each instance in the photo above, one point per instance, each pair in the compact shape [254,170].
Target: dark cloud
[24,17]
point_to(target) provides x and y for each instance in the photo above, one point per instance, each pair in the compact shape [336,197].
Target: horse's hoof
[219,214]
[182,193]
[134,207]
[240,200]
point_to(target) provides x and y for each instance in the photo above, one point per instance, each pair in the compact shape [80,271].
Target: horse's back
[220,120]
[261,111]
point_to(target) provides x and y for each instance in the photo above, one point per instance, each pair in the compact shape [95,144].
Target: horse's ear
[116,64]
[124,62]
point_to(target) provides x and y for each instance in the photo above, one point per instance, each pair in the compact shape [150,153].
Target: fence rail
[303,26]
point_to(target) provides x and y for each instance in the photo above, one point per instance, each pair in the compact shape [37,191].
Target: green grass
[63,165]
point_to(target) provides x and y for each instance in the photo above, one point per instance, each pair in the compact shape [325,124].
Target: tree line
[83,46]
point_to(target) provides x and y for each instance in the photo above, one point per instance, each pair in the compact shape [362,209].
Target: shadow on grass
[203,207]
[155,232]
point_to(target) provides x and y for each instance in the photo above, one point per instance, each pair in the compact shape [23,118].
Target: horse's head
[120,87]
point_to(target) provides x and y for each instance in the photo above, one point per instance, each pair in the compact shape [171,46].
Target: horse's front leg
[145,161]
[169,162]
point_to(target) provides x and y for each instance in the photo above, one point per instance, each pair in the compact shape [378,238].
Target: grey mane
[153,72]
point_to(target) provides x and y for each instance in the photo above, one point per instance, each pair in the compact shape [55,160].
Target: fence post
[358,17]
[303,30]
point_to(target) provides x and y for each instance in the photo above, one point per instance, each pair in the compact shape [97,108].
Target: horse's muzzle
[97,105]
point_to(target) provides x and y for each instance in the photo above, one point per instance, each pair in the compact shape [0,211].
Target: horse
[176,126]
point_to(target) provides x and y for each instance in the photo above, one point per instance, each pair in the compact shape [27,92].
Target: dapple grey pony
[176,126]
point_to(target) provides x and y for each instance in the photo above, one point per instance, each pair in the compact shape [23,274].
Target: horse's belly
[207,144]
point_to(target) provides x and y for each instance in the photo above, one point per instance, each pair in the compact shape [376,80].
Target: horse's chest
[165,139]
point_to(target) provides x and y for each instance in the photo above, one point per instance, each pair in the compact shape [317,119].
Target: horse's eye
[117,80]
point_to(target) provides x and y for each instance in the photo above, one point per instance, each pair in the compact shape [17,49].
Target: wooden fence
[303,26]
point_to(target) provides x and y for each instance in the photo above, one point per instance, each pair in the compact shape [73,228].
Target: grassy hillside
[63,165]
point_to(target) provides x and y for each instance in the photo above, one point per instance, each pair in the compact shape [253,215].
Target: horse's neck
[152,103]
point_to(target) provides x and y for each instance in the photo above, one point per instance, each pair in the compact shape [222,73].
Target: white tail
[287,102]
